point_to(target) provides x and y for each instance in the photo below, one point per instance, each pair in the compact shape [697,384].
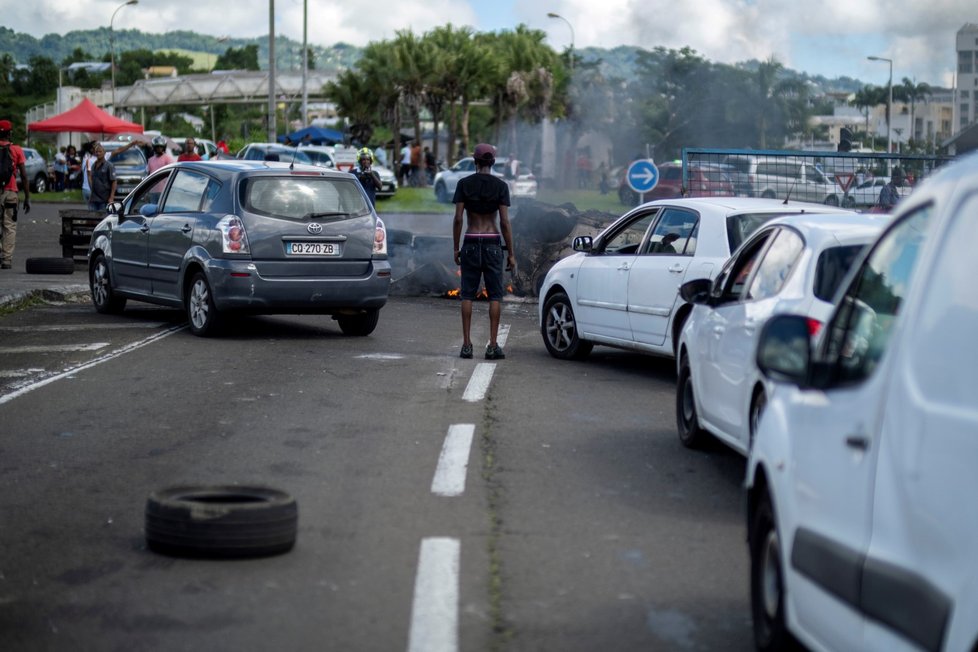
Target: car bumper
[387,189]
[239,285]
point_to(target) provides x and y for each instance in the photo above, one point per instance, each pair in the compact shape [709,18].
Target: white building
[967,77]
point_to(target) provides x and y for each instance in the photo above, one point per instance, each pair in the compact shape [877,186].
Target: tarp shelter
[316,136]
[87,118]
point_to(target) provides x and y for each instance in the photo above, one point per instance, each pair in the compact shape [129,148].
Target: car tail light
[234,240]
[380,238]
[814,326]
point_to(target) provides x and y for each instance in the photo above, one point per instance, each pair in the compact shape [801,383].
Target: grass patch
[413,200]
[53,197]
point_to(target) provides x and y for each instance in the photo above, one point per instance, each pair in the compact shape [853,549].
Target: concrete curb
[58,293]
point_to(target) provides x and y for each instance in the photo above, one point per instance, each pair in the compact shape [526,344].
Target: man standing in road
[102,181]
[481,196]
[890,194]
[12,162]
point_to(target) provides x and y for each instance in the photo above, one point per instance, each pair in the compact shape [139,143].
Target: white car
[868,192]
[792,264]
[861,486]
[523,186]
[622,288]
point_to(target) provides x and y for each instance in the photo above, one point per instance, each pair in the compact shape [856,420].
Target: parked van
[862,519]
[778,177]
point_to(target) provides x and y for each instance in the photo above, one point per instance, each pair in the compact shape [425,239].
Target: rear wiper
[314,216]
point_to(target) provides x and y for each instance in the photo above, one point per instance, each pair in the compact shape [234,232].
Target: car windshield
[303,197]
[128,157]
[741,225]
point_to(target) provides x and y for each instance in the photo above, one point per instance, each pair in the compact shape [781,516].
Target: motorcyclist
[160,156]
[366,175]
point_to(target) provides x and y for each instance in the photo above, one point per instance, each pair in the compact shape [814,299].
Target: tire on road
[50,266]
[359,325]
[221,521]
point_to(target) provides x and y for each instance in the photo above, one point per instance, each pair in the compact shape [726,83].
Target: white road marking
[54,348]
[502,335]
[379,356]
[6,398]
[81,327]
[434,614]
[453,462]
[20,373]
[479,382]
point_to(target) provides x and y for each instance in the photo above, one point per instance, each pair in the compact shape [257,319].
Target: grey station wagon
[222,237]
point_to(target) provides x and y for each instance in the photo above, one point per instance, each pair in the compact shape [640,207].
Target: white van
[862,483]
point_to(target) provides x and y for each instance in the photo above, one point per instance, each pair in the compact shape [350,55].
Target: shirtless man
[482,196]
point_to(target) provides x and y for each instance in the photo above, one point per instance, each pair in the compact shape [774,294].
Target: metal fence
[851,179]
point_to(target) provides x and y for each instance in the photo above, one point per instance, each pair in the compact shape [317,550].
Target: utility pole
[271,72]
[305,63]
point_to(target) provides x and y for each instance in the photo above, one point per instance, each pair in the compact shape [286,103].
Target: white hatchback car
[862,511]
[792,264]
[523,186]
[622,288]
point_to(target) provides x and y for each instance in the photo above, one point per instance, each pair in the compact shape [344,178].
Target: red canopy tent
[86,117]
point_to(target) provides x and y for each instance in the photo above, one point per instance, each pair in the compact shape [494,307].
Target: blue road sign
[642,175]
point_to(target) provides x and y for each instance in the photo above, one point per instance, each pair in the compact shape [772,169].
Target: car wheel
[559,330]
[359,325]
[50,266]
[105,299]
[687,423]
[40,183]
[441,193]
[756,410]
[832,200]
[221,521]
[204,318]
[767,583]
[849,202]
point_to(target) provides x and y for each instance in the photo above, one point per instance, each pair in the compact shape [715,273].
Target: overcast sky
[827,37]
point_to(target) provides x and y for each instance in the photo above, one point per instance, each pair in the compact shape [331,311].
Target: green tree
[243,58]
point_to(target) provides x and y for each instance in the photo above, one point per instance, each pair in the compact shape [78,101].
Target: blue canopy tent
[314,136]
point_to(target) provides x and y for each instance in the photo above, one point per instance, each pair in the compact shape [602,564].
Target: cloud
[831,37]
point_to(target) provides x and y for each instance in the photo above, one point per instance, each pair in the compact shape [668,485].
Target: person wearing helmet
[160,156]
[367,177]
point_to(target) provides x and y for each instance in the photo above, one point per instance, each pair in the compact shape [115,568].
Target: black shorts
[482,258]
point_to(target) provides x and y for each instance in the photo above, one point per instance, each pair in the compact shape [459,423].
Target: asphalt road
[580,523]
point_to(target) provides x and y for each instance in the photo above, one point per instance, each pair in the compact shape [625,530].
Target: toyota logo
[314,228]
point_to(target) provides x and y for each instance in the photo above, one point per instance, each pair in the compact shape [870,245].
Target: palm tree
[910,91]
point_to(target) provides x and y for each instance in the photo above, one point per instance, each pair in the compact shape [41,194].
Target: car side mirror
[583,243]
[149,210]
[696,291]
[115,208]
[784,350]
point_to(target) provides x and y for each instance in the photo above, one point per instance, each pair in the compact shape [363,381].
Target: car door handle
[718,330]
[623,266]
[186,228]
[859,442]
[677,269]
[144,228]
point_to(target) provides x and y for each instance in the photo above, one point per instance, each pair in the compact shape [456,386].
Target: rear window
[742,225]
[742,165]
[304,197]
[832,266]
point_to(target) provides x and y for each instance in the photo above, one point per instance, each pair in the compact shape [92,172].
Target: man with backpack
[12,160]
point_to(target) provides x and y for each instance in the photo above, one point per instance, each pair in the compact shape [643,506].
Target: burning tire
[221,521]
[559,330]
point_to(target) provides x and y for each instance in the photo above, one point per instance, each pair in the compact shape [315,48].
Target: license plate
[312,248]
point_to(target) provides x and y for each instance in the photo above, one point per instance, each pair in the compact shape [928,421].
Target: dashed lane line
[54,348]
[434,614]
[57,328]
[453,462]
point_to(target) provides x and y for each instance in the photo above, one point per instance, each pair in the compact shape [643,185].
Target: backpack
[6,166]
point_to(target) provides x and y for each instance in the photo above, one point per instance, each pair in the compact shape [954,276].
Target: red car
[704,181]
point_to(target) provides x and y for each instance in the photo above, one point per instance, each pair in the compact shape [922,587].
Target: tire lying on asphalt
[224,522]
[50,266]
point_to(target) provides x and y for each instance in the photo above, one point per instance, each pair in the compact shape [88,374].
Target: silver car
[37,170]
[216,238]
[524,185]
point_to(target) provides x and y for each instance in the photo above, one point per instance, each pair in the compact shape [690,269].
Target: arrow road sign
[642,176]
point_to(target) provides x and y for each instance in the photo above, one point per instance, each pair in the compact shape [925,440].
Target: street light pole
[553,15]
[889,105]
[112,45]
